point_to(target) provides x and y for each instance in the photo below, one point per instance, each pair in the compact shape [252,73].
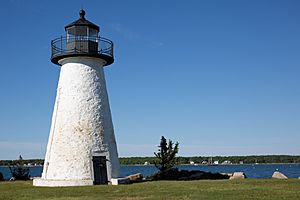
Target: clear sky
[219,77]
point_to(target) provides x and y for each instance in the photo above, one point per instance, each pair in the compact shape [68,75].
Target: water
[252,171]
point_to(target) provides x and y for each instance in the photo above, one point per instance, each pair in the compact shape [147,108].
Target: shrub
[1,177]
[19,172]
[176,174]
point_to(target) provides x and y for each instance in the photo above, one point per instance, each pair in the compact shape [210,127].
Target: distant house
[226,162]
[146,163]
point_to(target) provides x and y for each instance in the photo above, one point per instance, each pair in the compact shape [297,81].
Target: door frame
[108,165]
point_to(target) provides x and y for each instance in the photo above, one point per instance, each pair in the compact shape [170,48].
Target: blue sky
[219,77]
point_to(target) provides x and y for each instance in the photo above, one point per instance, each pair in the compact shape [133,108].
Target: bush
[1,177]
[19,172]
[176,174]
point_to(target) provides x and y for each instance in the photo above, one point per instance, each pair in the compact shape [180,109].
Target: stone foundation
[60,183]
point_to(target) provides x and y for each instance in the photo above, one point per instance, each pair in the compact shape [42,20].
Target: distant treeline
[183,160]
[221,159]
[22,162]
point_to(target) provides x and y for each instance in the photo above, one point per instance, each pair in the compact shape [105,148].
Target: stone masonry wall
[81,122]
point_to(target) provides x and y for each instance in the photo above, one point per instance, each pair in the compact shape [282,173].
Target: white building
[81,148]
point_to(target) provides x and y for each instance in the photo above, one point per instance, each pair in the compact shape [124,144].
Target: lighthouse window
[71,31]
[81,30]
[93,32]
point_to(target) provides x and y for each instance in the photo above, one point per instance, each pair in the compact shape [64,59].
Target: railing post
[112,49]
[99,45]
[61,47]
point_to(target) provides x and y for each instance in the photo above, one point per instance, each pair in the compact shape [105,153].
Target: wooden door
[100,170]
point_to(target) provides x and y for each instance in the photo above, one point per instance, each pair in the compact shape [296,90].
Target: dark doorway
[100,171]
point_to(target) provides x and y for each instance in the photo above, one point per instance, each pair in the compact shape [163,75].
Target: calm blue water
[252,171]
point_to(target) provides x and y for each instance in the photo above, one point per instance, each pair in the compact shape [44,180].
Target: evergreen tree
[18,171]
[166,156]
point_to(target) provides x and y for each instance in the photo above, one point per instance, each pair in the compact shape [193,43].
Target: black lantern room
[82,39]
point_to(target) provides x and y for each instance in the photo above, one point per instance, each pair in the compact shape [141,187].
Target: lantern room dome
[82,22]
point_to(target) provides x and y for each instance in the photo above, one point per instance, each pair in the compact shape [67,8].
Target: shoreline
[220,164]
[254,164]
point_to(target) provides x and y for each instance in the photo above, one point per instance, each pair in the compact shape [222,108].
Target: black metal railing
[73,45]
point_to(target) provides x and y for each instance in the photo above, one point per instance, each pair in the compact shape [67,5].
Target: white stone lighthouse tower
[81,148]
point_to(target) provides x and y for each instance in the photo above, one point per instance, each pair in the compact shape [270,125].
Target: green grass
[203,189]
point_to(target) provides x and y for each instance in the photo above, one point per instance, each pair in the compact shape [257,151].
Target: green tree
[166,156]
[18,171]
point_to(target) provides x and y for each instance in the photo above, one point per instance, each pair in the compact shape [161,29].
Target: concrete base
[60,183]
[118,181]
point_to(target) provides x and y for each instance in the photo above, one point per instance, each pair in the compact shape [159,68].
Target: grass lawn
[203,189]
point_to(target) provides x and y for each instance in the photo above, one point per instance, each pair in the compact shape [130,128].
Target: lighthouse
[81,147]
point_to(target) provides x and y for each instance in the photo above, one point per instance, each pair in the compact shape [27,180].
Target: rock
[118,181]
[279,175]
[238,175]
[135,177]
